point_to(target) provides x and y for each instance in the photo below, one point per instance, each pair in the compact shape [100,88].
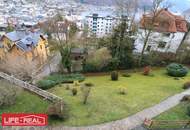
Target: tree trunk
[144,46]
[69,70]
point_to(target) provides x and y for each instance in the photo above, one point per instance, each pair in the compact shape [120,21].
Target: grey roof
[24,47]
[25,40]
[28,42]
[16,35]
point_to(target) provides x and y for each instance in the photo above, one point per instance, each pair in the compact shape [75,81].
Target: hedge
[52,80]
[46,84]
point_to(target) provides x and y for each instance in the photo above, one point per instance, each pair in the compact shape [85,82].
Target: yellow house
[29,44]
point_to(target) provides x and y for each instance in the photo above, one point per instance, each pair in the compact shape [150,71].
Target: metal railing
[32,88]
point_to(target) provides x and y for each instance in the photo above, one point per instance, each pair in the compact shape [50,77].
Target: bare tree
[127,8]
[62,33]
[149,25]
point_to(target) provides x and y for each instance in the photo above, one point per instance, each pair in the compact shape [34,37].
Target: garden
[112,81]
[102,97]
[117,96]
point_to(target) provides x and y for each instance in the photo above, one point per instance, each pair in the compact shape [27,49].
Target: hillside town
[95,65]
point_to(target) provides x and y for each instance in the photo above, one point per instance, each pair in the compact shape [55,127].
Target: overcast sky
[179,5]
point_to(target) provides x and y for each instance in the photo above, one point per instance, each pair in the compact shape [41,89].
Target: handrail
[32,88]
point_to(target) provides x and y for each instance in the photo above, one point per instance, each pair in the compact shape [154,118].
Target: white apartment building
[101,25]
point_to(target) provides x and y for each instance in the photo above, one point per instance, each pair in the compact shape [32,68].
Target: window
[162,44]
[148,48]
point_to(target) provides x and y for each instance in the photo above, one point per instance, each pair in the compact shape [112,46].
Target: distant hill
[97,2]
[187,11]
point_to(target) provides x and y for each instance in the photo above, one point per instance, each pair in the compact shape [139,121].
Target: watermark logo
[24,119]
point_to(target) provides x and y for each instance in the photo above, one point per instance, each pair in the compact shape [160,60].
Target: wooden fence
[32,88]
[156,124]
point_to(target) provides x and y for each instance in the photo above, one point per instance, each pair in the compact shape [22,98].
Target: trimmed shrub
[126,75]
[76,83]
[122,90]
[186,85]
[67,78]
[146,70]
[114,76]
[46,84]
[67,86]
[58,110]
[89,84]
[177,70]
[74,91]
[52,80]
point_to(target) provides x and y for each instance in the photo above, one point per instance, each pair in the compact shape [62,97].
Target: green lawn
[105,104]
[177,113]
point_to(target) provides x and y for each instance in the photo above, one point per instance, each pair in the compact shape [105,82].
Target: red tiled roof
[165,21]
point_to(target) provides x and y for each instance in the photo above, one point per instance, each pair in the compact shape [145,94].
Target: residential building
[28,44]
[101,25]
[168,32]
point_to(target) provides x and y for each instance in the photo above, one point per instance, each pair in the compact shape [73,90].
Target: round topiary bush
[123,91]
[114,76]
[177,70]
[74,91]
